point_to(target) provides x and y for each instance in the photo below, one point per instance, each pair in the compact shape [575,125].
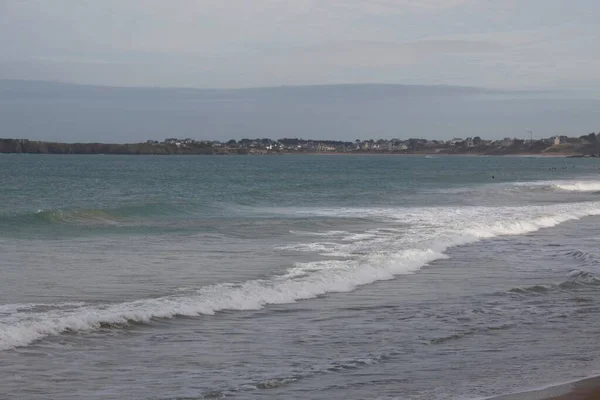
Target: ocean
[296,277]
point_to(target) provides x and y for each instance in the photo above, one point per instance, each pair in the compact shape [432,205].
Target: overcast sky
[513,44]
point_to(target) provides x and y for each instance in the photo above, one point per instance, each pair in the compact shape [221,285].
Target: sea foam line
[299,284]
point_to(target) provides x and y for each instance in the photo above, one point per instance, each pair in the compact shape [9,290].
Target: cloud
[73,60]
[352,54]
[403,6]
[228,43]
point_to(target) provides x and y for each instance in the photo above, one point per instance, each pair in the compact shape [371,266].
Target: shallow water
[296,276]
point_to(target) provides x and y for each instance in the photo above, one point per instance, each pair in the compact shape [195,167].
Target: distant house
[325,147]
[556,140]
[171,141]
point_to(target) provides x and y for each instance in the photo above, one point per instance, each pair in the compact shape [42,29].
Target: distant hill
[63,112]
[38,87]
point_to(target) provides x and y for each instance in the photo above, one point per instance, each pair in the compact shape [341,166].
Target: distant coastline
[583,146]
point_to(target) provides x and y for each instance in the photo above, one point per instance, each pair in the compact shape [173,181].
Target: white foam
[522,186]
[428,234]
[581,186]
[251,295]
[361,236]
[327,233]
[562,185]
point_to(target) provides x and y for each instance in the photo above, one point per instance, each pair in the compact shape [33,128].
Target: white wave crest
[581,186]
[432,232]
[251,295]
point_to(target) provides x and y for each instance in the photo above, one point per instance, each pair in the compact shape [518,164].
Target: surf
[428,233]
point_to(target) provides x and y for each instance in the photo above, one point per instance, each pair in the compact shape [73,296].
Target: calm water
[296,277]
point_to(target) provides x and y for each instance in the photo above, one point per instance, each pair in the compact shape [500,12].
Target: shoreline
[427,155]
[433,155]
[581,389]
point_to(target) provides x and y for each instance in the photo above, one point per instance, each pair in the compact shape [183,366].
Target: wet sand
[587,389]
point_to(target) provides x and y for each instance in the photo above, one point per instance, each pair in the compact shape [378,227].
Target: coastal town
[585,145]
[555,144]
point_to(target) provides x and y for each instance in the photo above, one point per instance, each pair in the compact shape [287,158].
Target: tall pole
[530,136]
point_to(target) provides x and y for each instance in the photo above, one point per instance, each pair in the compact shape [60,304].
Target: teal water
[121,190]
[295,276]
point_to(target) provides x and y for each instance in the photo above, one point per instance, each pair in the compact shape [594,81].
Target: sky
[540,58]
[507,44]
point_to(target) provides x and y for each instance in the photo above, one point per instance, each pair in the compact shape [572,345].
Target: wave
[435,230]
[83,217]
[559,185]
[523,187]
[585,257]
[100,217]
[469,332]
[299,373]
[580,186]
[133,215]
[328,233]
[577,279]
[10,309]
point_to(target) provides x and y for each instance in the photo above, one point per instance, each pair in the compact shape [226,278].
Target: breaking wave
[537,187]
[157,216]
[433,231]
[581,186]
[90,217]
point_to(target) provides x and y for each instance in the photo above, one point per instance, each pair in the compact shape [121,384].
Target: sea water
[288,277]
